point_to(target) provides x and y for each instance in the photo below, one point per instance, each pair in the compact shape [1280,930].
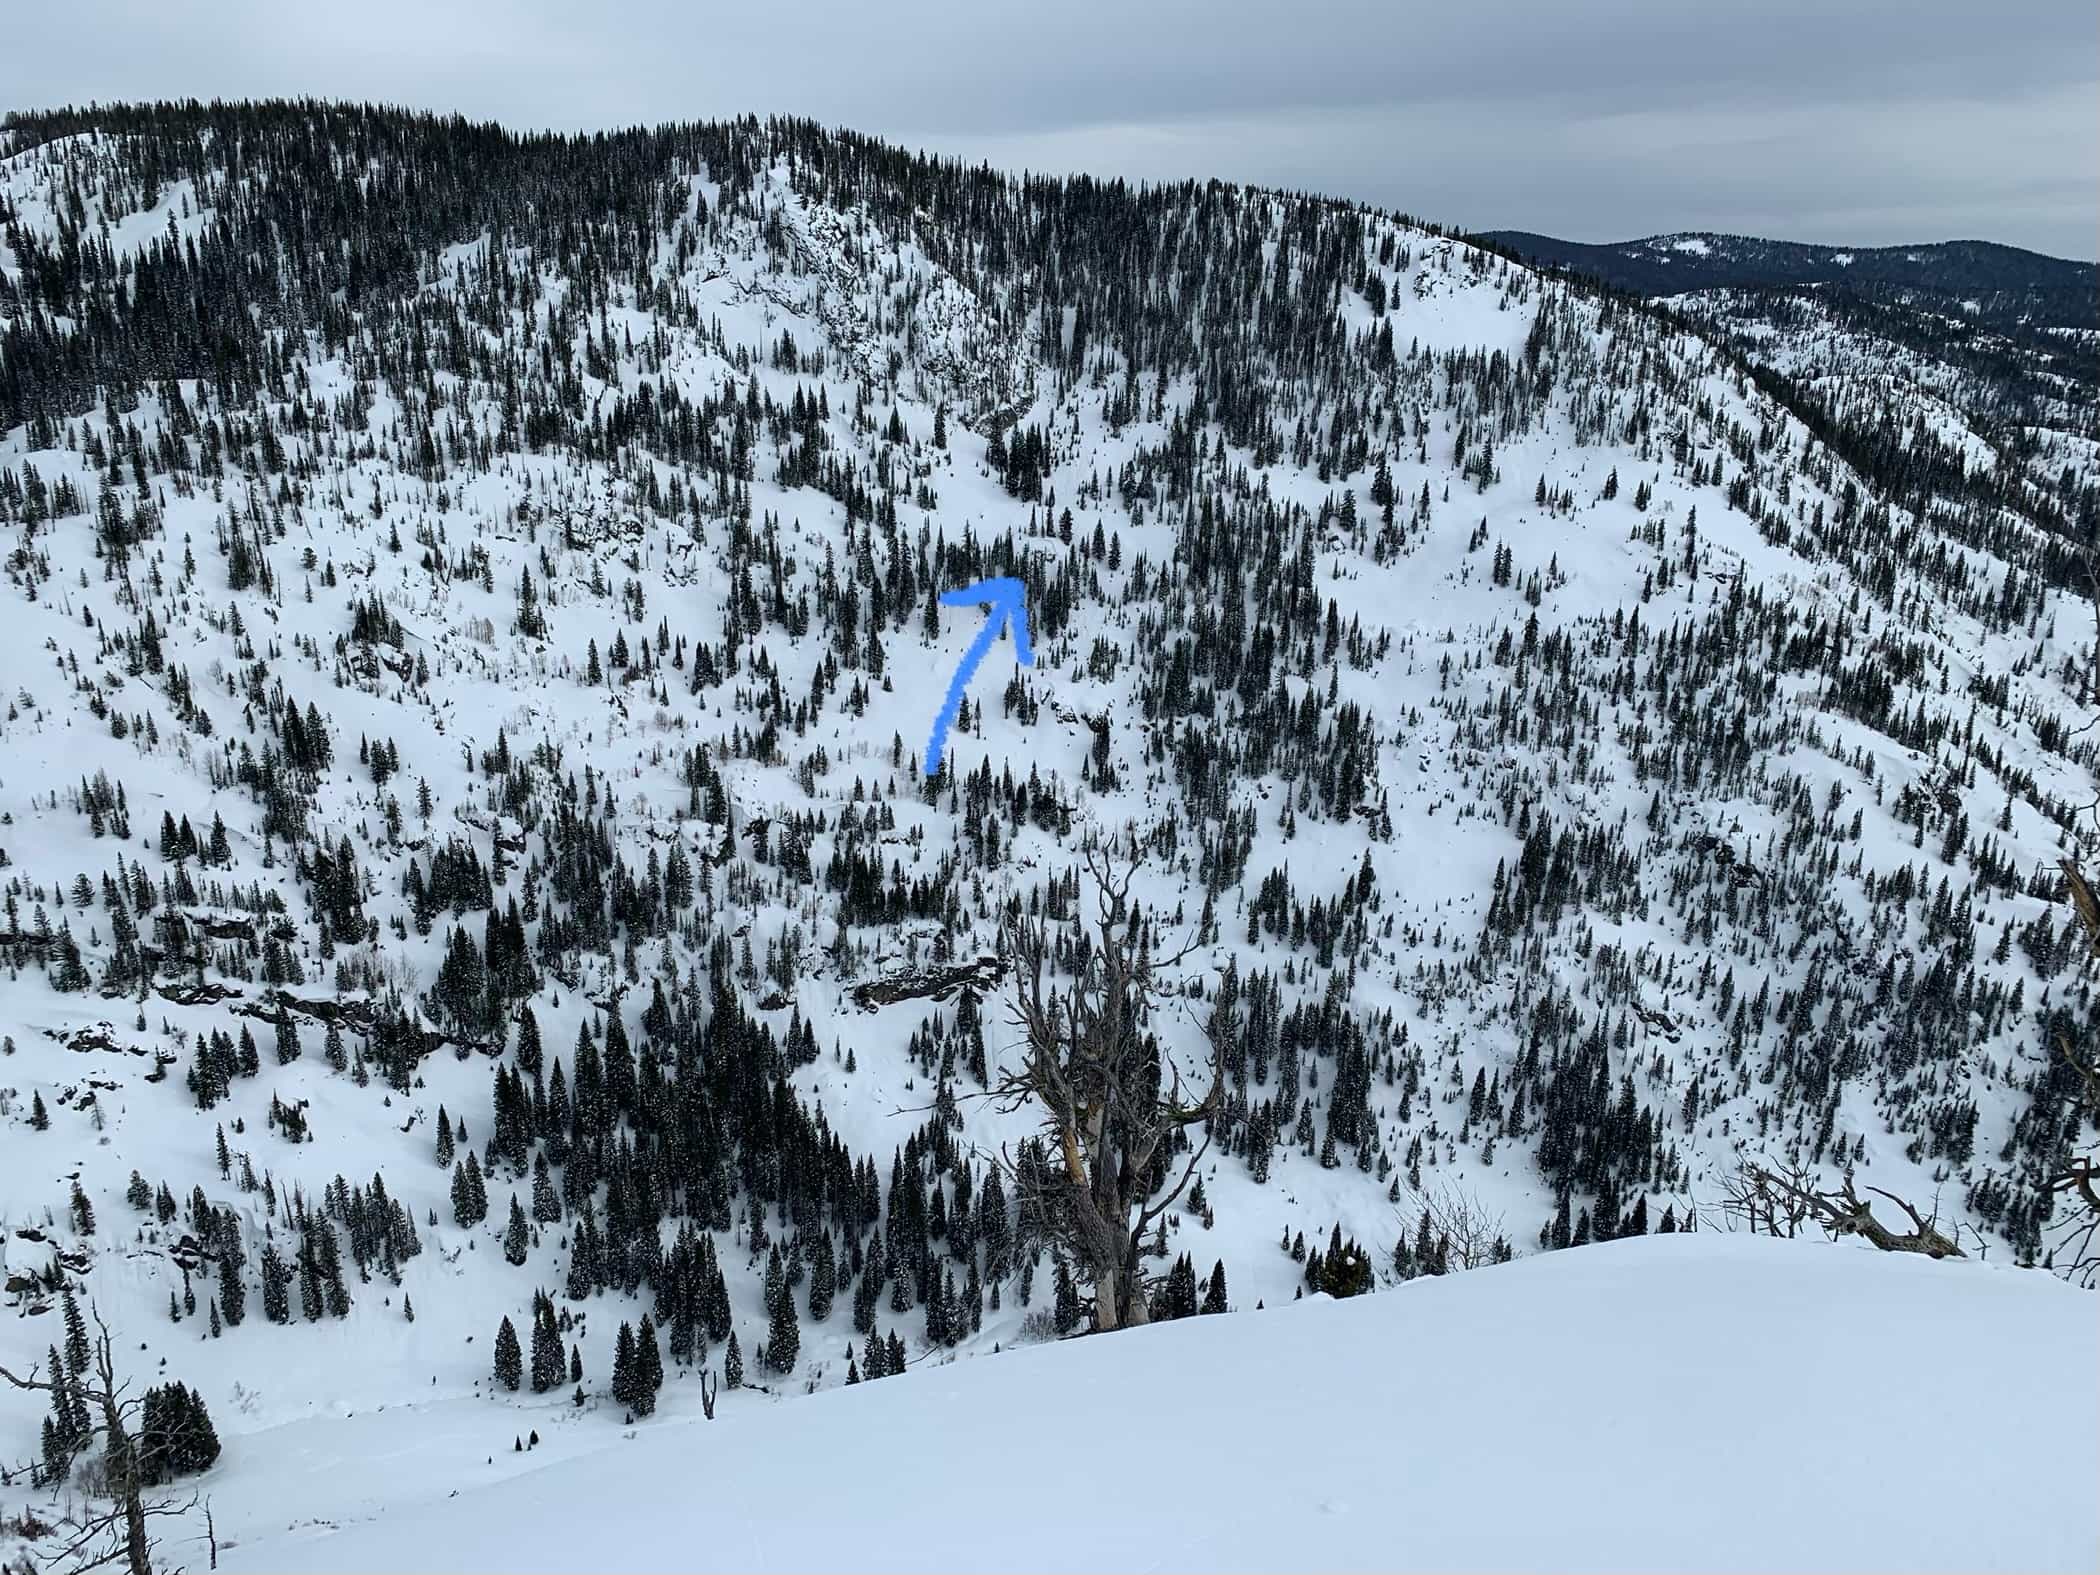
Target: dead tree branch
[1769,1198]
[93,1539]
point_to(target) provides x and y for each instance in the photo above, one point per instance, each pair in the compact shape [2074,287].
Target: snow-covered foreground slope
[1690,1402]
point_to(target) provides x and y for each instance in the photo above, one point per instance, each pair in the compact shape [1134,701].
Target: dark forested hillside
[2052,290]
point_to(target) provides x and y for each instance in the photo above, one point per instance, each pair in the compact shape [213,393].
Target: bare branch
[1458,1218]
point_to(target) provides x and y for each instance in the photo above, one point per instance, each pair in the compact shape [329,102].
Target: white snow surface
[1689,1402]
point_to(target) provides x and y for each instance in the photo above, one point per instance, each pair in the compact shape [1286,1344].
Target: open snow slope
[1691,1402]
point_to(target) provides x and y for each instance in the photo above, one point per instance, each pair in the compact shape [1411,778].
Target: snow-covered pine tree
[648,1374]
[515,1234]
[510,1360]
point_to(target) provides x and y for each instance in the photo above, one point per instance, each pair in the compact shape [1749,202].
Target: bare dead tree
[92,1538]
[1110,1095]
[2075,1182]
[1459,1222]
[1768,1197]
[1771,1209]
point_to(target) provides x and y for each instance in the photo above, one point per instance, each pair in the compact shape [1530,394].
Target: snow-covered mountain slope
[473,633]
[1955,371]
[1701,1402]
[1915,387]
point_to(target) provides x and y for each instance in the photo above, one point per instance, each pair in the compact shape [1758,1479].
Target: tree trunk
[1136,1310]
[1105,1304]
[123,1460]
[1119,1298]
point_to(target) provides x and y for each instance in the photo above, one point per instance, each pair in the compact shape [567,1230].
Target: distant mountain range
[2056,289]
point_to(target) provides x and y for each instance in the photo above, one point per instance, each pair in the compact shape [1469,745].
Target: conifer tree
[233,1292]
[529,1053]
[57,1459]
[470,1199]
[287,1039]
[866,1292]
[77,1349]
[546,1201]
[939,1314]
[822,1279]
[510,1360]
[82,1212]
[783,1329]
[648,1375]
[335,1294]
[65,1430]
[307,1263]
[547,1366]
[1180,1290]
[623,1366]
[176,1437]
[1065,1309]
[276,1278]
[515,1234]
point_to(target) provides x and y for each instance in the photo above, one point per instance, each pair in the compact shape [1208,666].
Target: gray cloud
[1869,122]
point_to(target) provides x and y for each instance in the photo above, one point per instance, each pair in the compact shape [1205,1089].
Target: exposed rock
[934,984]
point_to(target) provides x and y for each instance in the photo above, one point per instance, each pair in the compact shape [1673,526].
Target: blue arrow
[1009,603]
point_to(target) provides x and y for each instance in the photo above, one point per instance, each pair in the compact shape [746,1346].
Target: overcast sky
[1868,121]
